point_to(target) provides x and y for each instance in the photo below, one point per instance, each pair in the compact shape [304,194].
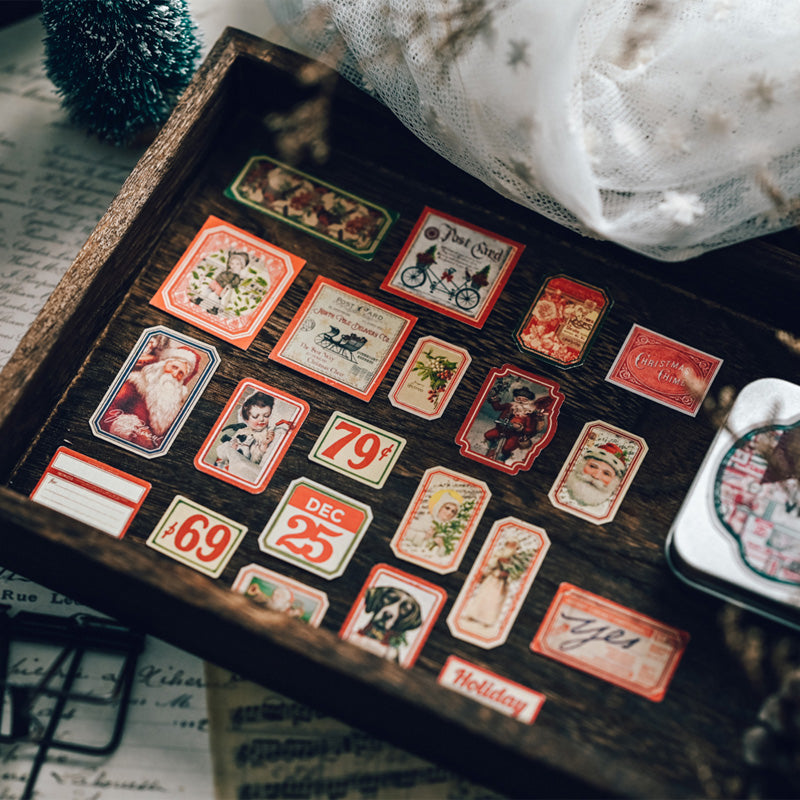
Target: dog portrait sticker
[393,615]
[343,338]
[511,421]
[315,528]
[598,472]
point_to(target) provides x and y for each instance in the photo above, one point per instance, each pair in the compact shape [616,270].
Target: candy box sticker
[196,536]
[312,205]
[562,321]
[357,449]
[279,593]
[664,370]
[453,267]
[315,528]
[90,491]
[251,436]
[511,421]
[440,520]
[610,641]
[598,472]
[343,338]
[227,282]
[429,378]
[154,392]
[393,615]
[498,583]
[491,690]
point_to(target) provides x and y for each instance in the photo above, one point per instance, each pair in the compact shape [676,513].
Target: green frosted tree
[119,65]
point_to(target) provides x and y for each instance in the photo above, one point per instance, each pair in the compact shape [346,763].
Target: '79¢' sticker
[357,449]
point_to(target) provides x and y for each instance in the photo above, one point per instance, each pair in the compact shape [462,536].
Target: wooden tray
[590,737]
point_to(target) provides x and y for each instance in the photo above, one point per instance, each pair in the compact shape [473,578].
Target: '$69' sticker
[196,536]
[315,528]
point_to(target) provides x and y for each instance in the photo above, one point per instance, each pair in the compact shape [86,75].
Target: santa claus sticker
[512,419]
[598,472]
[154,392]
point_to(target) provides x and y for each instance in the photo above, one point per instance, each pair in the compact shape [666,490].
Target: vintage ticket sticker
[154,392]
[343,338]
[562,321]
[393,614]
[315,528]
[227,282]
[512,419]
[429,378]
[440,520]
[611,642]
[491,690]
[357,449]
[252,435]
[90,491]
[279,593]
[498,583]
[453,267]
[196,536]
[314,206]
[664,370]
[598,472]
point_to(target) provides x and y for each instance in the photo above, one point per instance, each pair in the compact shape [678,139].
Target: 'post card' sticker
[611,642]
[393,614]
[664,370]
[315,528]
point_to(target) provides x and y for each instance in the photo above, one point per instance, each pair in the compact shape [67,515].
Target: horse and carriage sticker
[453,267]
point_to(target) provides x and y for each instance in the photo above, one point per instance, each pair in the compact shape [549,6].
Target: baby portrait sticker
[498,583]
[512,419]
[228,282]
[251,436]
[562,321]
[453,267]
[440,520]
[393,615]
[350,222]
[154,392]
[598,472]
[343,338]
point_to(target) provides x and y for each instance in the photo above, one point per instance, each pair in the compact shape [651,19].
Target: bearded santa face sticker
[154,392]
[598,472]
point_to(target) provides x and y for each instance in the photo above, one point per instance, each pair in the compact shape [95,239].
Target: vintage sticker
[393,614]
[562,321]
[512,419]
[598,472]
[251,436]
[154,392]
[610,641]
[429,378]
[498,583]
[343,338]
[440,520]
[90,491]
[664,370]
[279,593]
[357,449]
[453,267]
[491,690]
[196,536]
[326,212]
[315,528]
[227,282]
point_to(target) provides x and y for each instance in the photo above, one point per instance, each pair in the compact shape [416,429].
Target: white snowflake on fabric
[674,138]
[762,90]
[719,122]
[682,208]
[721,10]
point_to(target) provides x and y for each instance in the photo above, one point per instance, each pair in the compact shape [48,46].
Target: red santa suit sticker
[154,392]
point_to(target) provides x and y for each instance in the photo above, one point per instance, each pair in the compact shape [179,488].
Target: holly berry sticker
[315,528]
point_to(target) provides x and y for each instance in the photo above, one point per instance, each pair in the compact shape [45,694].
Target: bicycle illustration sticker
[343,338]
[453,267]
